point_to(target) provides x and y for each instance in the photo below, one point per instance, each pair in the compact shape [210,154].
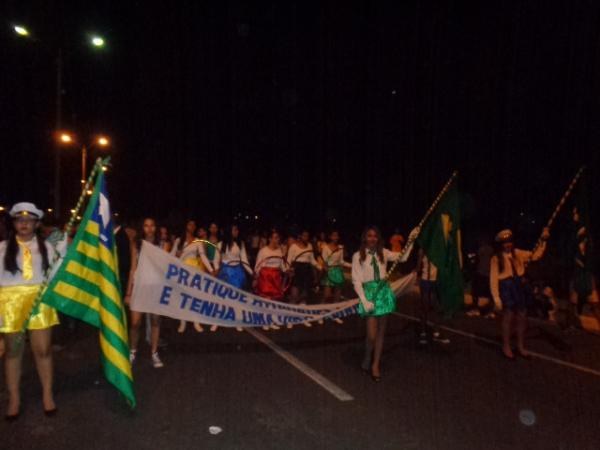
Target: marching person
[25,259]
[332,254]
[377,300]
[430,299]
[583,287]
[191,251]
[507,267]
[148,234]
[213,254]
[301,258]
[269,269]
[234,259]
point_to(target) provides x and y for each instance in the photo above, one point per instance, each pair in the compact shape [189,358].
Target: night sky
[304,112]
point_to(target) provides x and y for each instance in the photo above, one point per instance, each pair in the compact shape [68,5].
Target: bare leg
[506,331]
[42,353]
[182,325]
[327,294]
[369,342]
[521,328]
[12,368]
[134,330]
[154,332]
[337,294]
[381,325]
[294,295]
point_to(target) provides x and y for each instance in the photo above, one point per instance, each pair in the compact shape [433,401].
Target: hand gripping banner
[163,285]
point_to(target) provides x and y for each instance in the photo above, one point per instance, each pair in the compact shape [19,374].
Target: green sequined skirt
[385,302]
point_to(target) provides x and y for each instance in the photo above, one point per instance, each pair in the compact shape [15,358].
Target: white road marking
[537,355]
[326,384]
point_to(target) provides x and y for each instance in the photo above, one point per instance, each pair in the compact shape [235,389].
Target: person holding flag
[583,286]
[377,300]
[149,235]
[25,259]
[87,287]
[507,268]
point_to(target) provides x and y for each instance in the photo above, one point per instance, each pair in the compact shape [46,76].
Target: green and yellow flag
[87,287]
[440,239]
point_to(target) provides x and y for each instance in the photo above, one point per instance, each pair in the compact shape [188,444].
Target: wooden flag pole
[560,205]
[411,240]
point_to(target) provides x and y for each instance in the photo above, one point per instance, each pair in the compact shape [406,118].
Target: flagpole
[100,163]
[560,205]
[411,240]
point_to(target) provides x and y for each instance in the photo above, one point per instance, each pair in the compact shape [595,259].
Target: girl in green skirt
[376,297]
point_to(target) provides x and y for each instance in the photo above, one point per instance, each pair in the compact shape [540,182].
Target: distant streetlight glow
[103,141]
[21,31]
[66,138]
[97,41]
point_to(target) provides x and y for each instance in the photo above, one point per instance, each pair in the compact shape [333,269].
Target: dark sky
[308,110]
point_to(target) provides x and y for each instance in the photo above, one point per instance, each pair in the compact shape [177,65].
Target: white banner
[163,285]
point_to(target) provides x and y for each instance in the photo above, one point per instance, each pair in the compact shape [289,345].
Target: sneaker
[132,354]
[473,313]
[423,338]
[275,327]
[490,316]
[321,322]
[156,362]
[240,329]
[198,328]
[289,326]
[437,337]
[307,324]
[265,328]
[213,328]
[338,321]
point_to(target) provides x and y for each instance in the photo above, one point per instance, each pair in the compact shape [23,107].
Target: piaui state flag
[440,239]
[87,287]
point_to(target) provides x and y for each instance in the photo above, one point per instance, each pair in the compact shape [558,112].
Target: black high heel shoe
[526,356]
[12,417]
[375,378]
[50,412]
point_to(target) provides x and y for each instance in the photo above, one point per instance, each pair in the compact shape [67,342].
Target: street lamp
[21,30]
[100,141]
[95,41]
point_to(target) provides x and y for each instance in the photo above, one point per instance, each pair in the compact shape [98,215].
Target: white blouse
[522,257]
[233,255]
[363,272]
[302,255]
[334,258]
[263,261]
[8,279]
[197,250]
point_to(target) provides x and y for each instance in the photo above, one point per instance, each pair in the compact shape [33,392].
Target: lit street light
[21,30]
[97,41]
[99,141]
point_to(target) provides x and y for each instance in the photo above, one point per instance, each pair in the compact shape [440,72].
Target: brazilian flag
[440,239]
[87,287]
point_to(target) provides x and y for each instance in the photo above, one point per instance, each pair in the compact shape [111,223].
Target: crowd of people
[294,267]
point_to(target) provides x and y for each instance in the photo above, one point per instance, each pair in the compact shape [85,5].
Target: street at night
[300,225]
[463,395]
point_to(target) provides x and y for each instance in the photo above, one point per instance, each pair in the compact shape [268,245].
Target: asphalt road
[460,396]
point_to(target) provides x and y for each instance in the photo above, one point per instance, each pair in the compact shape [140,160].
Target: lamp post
[95,41]
[99,141]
